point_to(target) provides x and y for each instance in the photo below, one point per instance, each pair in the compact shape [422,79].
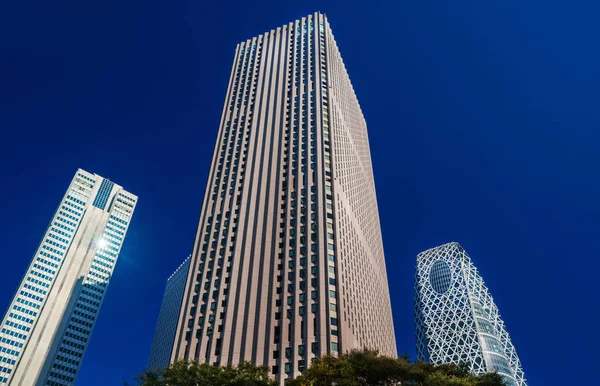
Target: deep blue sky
[483,119]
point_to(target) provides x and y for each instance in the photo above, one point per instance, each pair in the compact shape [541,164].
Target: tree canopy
[186,373]
[368,368]
[356,368]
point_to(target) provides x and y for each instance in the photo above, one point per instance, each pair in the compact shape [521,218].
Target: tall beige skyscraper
[288,260]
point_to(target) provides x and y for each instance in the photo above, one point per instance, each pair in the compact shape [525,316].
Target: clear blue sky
[483,119]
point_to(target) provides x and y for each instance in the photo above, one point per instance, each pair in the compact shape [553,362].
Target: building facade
[160,354]
[46,329]
[288,260]
[456,318]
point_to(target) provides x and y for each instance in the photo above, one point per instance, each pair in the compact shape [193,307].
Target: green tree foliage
[356,368]
[367,368]
[185,373]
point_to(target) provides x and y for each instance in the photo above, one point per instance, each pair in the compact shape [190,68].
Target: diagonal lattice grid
[456,319]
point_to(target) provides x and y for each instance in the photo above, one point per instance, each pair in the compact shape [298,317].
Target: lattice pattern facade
[456,318]
[288,262]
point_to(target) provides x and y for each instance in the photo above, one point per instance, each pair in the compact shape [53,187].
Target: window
[301,365]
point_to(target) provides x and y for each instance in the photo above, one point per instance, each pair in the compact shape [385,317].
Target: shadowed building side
[160,354]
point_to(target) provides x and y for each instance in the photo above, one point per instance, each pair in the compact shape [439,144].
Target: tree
[368,368]
[186,373]
[491,379]
[356,368]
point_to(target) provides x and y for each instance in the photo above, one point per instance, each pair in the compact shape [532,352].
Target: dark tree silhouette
[368,368]
[185,373]
[356,368]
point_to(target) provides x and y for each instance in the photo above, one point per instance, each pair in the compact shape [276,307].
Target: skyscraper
[288,260]
[168,318]
[456,318]
[46,329]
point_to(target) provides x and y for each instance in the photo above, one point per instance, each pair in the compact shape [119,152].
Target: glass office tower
[46,329]
[168,317]
[456,318]
[288,261]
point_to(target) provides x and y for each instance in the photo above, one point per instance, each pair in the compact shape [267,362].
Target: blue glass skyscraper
[164,335]
[46,329]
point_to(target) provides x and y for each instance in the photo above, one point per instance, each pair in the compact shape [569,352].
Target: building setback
[456,318]
[288,261]
[46,329]
[168,318]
